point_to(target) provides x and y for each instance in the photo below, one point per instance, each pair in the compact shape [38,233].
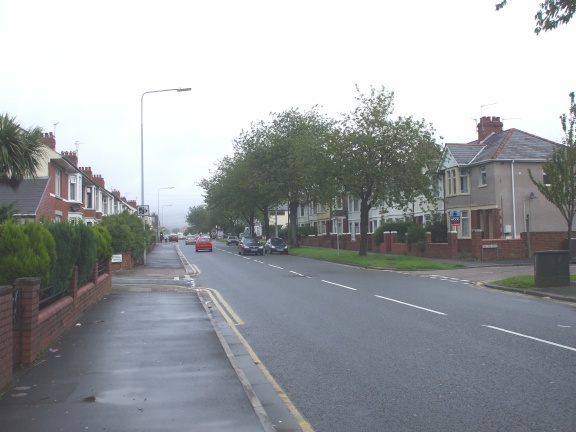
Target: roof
[27,195]
[511,144]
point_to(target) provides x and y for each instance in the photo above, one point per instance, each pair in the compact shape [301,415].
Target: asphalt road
[364,350]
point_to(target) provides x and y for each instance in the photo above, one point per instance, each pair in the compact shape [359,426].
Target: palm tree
[21,151]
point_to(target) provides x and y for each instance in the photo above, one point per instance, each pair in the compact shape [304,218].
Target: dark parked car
[250,245]
[173,237]
[231,240]
[276,244]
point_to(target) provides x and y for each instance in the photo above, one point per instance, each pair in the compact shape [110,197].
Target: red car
[203,243]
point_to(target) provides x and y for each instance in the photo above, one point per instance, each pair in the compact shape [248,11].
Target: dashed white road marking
[343,286]
[411,305]
[530,337]
[280,268]
[297,274]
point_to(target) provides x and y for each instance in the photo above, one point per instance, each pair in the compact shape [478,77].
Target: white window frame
[483,176]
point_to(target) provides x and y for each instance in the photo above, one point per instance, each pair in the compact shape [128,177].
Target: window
[313,209]
[545,179]
[483,179]
[463,180]
[58,190]
[323,226]
[465,223]
[89,198]
[301,210]
[338,203]
[353,204]
[451,182]
[72,191]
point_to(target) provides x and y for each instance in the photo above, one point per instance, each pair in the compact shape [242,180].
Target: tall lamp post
[142,145]
[158,222]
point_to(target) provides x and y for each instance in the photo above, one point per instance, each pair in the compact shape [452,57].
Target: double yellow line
[234,320]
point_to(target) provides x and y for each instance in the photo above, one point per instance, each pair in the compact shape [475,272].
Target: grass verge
[523,282]
[393,262]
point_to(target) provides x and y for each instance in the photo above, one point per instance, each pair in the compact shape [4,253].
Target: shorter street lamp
[158,222]
[165,205]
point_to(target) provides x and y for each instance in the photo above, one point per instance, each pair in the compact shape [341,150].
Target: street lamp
[164,205]
[142,145]
[158,222]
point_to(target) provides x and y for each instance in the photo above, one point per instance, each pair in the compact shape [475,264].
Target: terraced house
[62,191]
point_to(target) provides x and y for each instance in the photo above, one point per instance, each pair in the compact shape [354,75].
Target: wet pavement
[158,354]
[153,355]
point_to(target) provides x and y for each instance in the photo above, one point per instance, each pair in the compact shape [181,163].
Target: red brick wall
[126,263]
[39,329]
[6,331]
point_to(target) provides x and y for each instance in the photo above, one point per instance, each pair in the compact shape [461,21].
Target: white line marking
[343,286]
[563,326]
[281,268]
[411,305]
[261,262]
[297,274]
[531,337]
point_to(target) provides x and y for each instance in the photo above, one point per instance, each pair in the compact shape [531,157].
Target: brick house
[487,181]
[62,191]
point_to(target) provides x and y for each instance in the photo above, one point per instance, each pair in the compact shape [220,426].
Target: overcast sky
[79,69]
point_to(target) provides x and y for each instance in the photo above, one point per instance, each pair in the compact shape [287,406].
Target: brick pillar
[386,242]
[476,244]
[453,244]
[95,272]
[6,335]
[427,238]
[30,295]
[73,288]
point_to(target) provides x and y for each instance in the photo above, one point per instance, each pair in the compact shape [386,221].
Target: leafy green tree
[21,151]
[67,249]
[128,233]
[26,251]
[198,217]
[561,171]
[88,252]
[551,14]
[379,159]
[103,241]
[7,211]
[297,172]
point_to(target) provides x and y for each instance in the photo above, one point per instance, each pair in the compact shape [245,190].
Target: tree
[378,159]
[561,171]
[21,151]
[198,217]
[296,147]
[552,13]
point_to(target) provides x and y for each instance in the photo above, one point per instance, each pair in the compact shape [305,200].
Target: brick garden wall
[34,330]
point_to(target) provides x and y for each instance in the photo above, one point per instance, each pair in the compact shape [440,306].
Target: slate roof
[511,144]
[27,196]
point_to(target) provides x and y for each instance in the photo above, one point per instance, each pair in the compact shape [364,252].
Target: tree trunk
[293,209]
[364,209]
[266,227]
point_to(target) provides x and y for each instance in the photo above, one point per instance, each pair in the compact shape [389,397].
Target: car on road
[276,244]
[173,237]
[250,245]
[232,240]
[204,243]
[190,239]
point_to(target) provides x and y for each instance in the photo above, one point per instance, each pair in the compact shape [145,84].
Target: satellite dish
[75,207]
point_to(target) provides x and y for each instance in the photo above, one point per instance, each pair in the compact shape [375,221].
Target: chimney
[49,139]
[98,180]
[70,156]
[87,171]
[487,126]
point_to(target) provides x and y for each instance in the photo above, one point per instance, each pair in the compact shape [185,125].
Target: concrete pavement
[153,355]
